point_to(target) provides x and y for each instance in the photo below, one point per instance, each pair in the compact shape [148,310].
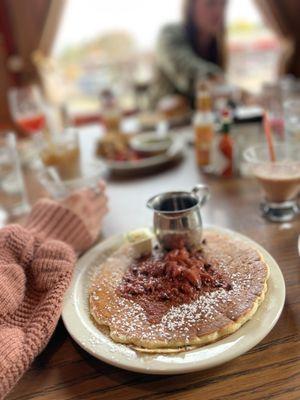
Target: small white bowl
[151,143]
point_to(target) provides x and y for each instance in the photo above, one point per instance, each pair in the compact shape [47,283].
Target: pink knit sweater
[36,264]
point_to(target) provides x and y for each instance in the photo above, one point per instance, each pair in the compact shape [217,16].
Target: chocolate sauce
[162,280]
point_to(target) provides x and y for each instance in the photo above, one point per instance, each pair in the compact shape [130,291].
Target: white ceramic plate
[77,321]
[175,150]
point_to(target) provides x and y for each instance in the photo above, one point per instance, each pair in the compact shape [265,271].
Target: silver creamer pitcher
[177,217]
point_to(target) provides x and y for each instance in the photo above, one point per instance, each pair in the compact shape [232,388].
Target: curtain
[26,27]
[283,18]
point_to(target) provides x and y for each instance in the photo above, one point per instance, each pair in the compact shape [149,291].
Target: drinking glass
[272,102]
[62,152]
[13,199]
[289,88]
[292,119]
[27,108]
[111,112]
[59,188]
[279,180]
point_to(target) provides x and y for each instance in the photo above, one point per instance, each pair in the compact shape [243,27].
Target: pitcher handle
[201,191]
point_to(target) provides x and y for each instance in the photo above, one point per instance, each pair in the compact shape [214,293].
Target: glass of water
[13,199]
[292,119]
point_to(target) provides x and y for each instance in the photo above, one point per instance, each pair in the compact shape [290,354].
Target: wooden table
[269,371]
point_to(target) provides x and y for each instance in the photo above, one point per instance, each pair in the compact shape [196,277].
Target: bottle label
[203,143]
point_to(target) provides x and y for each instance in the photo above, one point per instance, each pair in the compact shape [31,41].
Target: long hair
[217,48]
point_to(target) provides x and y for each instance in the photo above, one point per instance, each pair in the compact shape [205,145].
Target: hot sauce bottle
[224,151]
[204,128]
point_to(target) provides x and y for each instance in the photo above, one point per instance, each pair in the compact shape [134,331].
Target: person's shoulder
[172,30]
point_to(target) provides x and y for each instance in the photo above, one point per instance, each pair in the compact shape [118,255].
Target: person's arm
[178,61]
[36,265]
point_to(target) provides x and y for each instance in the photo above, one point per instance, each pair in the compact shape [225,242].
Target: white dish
[151,142]
[78,323]
[174,151]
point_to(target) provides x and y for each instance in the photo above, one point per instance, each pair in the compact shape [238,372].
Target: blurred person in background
[191,50]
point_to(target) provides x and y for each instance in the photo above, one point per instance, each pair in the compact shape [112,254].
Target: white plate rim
[175,150]
[200,359]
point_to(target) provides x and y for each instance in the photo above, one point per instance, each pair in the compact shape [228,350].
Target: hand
[90,205]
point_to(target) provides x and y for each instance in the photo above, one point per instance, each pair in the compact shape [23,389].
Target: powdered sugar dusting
[208,313]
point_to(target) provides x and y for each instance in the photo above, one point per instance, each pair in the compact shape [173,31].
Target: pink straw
[269,137]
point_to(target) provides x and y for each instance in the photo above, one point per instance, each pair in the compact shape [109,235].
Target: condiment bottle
[111,113]
[204,128]
[224,149]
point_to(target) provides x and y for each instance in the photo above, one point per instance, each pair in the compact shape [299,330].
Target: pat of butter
[141,241]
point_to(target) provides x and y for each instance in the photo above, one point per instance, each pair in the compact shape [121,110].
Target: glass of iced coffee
[63,154]
[279,179]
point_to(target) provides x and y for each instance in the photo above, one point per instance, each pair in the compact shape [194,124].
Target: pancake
[206,319]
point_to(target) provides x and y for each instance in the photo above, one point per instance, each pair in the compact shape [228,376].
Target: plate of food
[126,153]
[139,308]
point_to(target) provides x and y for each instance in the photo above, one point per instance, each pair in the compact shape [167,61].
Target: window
[253,48]
[100,42]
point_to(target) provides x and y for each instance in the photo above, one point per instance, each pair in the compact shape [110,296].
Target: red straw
[269,137]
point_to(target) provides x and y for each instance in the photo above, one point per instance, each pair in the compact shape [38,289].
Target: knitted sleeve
[178,61]
[36,265]
[52,220]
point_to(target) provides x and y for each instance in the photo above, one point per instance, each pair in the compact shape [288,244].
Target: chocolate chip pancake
[228,295]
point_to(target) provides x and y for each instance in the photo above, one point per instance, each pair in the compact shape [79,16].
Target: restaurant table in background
[270,370]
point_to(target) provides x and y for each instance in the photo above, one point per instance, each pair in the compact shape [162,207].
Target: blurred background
[127,87]
[76,48]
